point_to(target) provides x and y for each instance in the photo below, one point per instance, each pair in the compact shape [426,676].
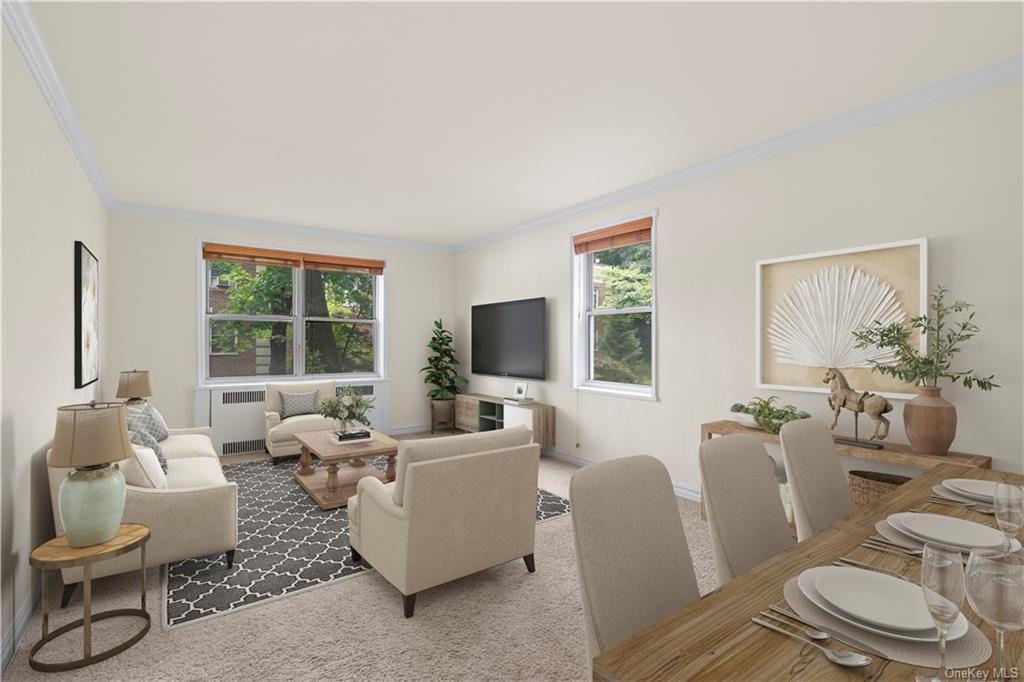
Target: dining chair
[632,558]
[745,515]
[817,482]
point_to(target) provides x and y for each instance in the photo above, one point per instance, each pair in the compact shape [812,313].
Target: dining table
[713,637]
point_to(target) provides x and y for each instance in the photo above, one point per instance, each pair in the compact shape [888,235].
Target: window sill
[254,382]
[620,391]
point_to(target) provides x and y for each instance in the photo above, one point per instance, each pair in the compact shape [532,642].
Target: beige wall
[154,306]
[952,174]
[47,204]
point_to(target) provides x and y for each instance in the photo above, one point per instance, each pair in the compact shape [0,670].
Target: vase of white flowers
[348,407]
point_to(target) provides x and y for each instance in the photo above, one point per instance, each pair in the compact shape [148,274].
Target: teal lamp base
[91,505]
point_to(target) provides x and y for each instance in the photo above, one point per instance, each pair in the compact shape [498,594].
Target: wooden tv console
[475,412]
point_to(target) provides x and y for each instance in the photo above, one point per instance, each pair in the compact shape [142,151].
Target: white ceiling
[446,123]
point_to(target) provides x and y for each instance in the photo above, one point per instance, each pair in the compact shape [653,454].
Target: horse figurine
[841,395]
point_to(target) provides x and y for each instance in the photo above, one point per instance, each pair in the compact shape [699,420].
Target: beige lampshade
[90,434]
[134,383]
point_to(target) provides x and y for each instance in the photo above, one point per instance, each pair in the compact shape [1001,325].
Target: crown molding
[19,21]
[991,76]
[254,223]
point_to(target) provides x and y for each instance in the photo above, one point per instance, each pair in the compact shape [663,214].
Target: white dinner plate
[948,530]
[950,494]
[876,598]
[983,491]
[806,582]
[900,537]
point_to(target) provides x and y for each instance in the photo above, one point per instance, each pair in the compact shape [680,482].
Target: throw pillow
[144,417]
[293,404]
[145,440]
[143,470]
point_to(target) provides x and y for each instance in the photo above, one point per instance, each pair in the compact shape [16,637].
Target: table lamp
[88,438]
[133,384]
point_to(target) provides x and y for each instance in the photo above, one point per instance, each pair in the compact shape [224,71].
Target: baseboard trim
[684,491]
[405,430]
[21,620]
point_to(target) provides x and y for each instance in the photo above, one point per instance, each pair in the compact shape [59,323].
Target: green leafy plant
[946,329]
[348,406]
[767,415]
[440,370]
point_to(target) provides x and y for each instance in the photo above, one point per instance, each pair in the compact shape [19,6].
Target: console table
[476,412]
[891,453]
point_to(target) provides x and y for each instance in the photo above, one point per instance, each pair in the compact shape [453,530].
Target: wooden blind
[248,254]
[291,259]
[341,264]
[624,234]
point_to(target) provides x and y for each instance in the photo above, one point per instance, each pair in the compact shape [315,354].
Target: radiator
[237,418]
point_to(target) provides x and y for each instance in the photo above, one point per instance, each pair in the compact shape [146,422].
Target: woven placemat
[970,650]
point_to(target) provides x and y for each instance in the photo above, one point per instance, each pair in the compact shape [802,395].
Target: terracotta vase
[930,421]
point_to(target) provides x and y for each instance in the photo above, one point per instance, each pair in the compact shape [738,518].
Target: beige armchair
[280,433]
[458,505]
[195,515]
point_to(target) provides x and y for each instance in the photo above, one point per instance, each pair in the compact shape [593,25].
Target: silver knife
[869,567]
[849,641]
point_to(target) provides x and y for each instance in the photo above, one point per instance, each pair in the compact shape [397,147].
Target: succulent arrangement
[347,407]
[766,415]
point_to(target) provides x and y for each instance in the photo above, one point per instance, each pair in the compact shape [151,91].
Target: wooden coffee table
[331,486]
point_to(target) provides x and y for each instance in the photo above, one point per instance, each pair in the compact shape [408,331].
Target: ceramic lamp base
[91,505]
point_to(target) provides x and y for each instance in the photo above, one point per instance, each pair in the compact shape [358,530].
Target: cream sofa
[458,505]
[195,515]
[280,434]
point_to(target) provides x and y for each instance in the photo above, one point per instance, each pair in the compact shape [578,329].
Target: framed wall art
[809,305]
[87,316]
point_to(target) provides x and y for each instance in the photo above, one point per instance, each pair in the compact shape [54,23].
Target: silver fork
[843,561]
[876,547]
[847,659]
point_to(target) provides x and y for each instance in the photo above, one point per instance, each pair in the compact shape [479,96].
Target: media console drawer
[475,412]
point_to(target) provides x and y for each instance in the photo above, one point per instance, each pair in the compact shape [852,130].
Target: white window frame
[584,312]
[298,322]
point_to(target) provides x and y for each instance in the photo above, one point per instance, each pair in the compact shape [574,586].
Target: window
[613,309]
[277,314]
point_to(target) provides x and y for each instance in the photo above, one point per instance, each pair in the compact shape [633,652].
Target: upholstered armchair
[458,505]
[280,433]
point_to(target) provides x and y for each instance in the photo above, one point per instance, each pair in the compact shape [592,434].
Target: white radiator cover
[236,413]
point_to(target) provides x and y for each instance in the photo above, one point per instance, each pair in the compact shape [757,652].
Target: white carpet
[501,624]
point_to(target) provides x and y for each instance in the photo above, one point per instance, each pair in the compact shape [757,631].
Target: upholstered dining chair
[817,482]
[741,498]
[633,560]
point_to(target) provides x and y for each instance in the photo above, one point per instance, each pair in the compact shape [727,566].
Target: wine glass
[995,590]
[942,581]
[1009,509]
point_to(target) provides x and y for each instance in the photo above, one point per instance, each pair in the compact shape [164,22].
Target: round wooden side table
[57,554]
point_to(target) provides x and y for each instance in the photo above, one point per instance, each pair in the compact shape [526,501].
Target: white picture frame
[837,255]
[520,389]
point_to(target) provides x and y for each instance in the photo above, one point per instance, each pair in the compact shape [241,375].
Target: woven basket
[867,486]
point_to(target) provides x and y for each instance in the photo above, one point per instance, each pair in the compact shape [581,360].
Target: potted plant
[763,414]
[440,371]
[930,420]
[347,407]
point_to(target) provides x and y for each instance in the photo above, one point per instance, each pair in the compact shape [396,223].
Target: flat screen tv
[510,339]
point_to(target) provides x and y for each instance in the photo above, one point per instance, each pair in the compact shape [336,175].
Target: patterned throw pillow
[144,417]
[145,440]
[293,404]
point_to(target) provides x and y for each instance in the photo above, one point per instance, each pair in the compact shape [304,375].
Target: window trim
[298,326]
[582,313]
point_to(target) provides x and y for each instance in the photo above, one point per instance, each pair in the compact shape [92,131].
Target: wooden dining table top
[713,638]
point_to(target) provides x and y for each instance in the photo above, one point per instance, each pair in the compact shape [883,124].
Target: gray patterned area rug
[286,543]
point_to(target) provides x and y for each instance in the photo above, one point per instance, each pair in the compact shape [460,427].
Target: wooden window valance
[624,234]
[291,259]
